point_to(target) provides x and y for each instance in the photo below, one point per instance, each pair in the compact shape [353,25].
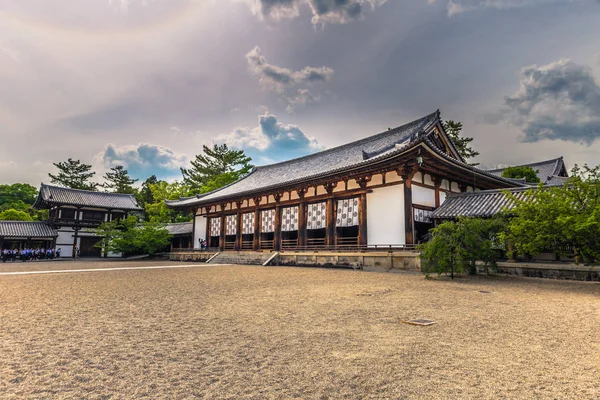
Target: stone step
[251,258]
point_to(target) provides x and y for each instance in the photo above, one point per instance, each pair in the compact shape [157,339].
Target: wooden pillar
[76,229]
[238,227]
[362,220]
[194,241]
[407,174]
[222,233]
[437,182]
[1,242]
[331,233]
[362,211]
[257,225]
[462,187]
[277,235]
[302,237]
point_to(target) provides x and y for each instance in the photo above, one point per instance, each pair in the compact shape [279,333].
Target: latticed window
[289,219]
[230,225]
[317,216]
[248,223]
[347,213]
[268,221]
[215,227]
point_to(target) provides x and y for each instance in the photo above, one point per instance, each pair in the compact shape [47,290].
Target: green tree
[74,174]
[462,144]
[119,181]
[563,219]
[217,164]
[15,215]
[456,246]
[20,197]
[129,236]
[157,211]
[521,172]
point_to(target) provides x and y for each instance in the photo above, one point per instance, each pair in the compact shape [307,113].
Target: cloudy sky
[146,83]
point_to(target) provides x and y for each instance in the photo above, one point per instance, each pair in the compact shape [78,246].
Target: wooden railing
[229,245]
[267,244]
[247,244]
[316,242]
[289,244]
[347,241]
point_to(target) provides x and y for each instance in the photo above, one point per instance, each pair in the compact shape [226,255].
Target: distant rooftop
[26,229]
[545,170]
[50,196]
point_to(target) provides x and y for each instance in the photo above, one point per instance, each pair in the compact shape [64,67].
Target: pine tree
[462,144]
[74,174]
[119,181]
[214,163]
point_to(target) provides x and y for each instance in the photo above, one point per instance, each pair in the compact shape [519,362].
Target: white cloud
[323,11]
[557,101]
[143,159]
[456,7]
[271,139]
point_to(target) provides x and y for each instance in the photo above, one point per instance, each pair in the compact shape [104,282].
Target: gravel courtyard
[279,332]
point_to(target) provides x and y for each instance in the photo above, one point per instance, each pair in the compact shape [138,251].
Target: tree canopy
[462,144]
[157,211]
[521,172]
[119,181]
[20,197]
[564,219]
[15,215]
[216,167]
[129,236]
[74,174]
[456,246]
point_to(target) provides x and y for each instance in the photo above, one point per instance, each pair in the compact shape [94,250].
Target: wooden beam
[302,237]
[277,233]
[257,225]
[362,220]
[222,236]
[407,173]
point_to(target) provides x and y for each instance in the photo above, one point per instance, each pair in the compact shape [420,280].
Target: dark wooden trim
[330,223]
[194,230]
[277,228]
[222,238]
[238,231]
[257,226]
[362,220]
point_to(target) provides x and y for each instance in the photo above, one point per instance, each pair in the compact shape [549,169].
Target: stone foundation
[384,261]
[551,271]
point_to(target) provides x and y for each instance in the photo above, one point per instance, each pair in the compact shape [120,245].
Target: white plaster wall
[454,187]
[64,241]
[442,197]
[423,196]
[427,180]
[200,231]
[385,215]
[445,184]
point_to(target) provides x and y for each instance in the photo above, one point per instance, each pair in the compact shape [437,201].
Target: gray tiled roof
[485,203]
[320,163]
[545,170]
[355,154]
[181,228]
[25,229]
[55,195]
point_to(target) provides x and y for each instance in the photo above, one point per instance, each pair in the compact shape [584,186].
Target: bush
[456,246]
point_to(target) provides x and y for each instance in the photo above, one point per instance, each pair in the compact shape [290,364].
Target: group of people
[30,254]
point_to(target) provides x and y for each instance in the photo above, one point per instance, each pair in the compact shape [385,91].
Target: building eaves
[26,229]
[55,195]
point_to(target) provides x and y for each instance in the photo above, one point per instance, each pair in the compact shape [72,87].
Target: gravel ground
[280,332]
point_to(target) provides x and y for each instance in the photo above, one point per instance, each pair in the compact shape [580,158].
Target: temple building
[74,212]
[378,191]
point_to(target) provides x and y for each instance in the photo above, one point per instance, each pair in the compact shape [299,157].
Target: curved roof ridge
[420,122]
[558,159]
[45,185]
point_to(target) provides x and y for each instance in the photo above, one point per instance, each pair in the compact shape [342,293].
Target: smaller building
[73,213]
[182,235]
[26,234]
